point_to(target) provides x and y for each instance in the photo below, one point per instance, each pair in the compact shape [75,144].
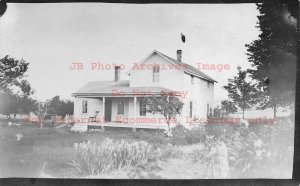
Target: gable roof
[101,86]
[96,88]
[109,88]
[185,67]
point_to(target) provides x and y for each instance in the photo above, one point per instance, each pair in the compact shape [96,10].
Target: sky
[53,36]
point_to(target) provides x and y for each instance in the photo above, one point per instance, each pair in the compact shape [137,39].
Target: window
[155,74]
[207,111]
[84,106]
[192,79]
[142,108]
[191,109]
[121,106]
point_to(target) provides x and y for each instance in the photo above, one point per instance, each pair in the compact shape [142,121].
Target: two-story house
[121,103]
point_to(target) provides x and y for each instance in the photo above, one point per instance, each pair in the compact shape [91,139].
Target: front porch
[111,111]
[82,127]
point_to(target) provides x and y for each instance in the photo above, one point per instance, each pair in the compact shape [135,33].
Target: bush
[221,130]
[92,159]
[182,136]
[171,151]
[260,147]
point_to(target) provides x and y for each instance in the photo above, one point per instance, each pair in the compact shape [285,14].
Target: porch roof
[117,89]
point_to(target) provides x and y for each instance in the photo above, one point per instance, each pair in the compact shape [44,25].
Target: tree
[25,103]
[54,105]
[59,107]
[68,107]
[217,112]
[243,93]
[166,104]
[26,90]
[228,107]
[11,72]
[41,112]
[8,104]
[273,55]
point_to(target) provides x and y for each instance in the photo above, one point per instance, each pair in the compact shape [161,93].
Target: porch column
[103,108]
[134,108]
[103,113]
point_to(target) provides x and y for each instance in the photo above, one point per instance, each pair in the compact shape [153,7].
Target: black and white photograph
[95,90]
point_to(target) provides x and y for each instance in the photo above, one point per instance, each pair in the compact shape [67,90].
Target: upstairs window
[142,108]
[84,106]
[191,109]
[121,106]
[156,74]
[192,79]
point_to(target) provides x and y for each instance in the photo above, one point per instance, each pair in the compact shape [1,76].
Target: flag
[182,37]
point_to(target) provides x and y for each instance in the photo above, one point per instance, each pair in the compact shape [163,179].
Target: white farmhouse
[120,102]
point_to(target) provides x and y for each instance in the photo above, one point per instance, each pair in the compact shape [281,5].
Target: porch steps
[79,128]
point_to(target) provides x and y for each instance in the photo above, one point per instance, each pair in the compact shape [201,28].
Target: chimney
[179,55]
[117,73]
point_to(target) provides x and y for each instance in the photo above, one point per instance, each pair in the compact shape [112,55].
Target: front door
[107,111]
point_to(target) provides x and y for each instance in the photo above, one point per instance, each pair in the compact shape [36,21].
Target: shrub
[220,130]
[182,136]
[213,158]
[171,151]
[150,169]
[92,159]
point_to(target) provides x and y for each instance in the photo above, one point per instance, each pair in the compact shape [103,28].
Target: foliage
[228,107]
[11,72]
[14,104]
[218,112]
[220,130]
[243,151]
[167,105]
[240,144]
[135,157]
[243,93]
[8,103]
[254,149]
[59,107]
[15,92]
[182,136]
[171,151]
[273,54]
[26,89]
[25,103]
[213,157]
[42,110]
[92,159]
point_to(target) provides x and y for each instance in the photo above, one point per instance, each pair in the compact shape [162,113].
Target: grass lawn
[53,148]
[47,152]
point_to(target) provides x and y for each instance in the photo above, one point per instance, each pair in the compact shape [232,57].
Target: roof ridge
[111,81]
[187,70]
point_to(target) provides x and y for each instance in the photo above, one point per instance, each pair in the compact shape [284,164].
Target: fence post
[222,170]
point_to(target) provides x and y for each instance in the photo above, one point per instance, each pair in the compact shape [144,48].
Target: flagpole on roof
[183,40]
